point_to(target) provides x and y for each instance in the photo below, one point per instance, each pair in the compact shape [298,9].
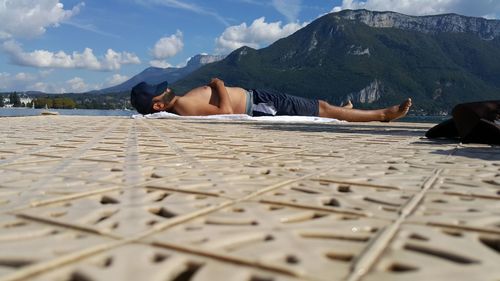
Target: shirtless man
[216,98]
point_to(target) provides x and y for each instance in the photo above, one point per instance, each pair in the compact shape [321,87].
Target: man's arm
[203,101]
[225,106]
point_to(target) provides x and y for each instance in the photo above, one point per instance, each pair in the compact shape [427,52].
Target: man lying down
[215,98]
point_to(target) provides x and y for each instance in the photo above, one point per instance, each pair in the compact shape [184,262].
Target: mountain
[155,75]
[373,58]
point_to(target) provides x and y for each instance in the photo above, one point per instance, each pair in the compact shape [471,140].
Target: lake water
[424,119]
[15,112]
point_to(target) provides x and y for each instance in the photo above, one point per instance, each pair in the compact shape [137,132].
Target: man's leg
[357,115]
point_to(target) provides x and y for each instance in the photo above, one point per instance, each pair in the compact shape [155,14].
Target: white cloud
[186,6]
[165,48]
[46,72]
[30,18]
[23,81]
[73,85]
[77,85]
[113,60]
[289,8]
[116,79]
[159,63]
[479,8]
[84,60]
[17,81]
[23,76]
[258,34]
[90,28]
[168,47]
[46,87]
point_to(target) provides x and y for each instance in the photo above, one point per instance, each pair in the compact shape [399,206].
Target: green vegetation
[101,101]
[71,101]
[15,100]
[323,61]
[55,102]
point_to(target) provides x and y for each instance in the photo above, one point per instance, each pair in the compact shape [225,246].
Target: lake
[424,119]
[16,112]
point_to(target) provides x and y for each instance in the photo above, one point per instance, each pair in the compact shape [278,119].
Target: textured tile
[110,198]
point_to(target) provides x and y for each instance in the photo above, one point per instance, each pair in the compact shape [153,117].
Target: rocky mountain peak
[486,29]
[155,75]
[203,59]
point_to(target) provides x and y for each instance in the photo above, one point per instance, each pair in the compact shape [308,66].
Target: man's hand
[216,82]
[225,106]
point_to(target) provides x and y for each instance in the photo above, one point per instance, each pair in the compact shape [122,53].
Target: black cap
[142,96]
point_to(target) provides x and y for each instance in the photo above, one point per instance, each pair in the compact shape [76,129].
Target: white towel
[238,117]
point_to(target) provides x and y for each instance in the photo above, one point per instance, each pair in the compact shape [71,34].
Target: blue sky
[78,45]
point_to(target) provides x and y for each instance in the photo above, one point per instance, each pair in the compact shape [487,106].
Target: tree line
[59,103]
[14,99]
[69,101]
[40,102]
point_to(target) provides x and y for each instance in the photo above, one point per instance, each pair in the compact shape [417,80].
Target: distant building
[6,102]
[25,99]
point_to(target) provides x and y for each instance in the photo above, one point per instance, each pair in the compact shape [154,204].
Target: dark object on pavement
[475,122]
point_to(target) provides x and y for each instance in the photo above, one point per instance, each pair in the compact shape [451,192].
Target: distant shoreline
[24,111]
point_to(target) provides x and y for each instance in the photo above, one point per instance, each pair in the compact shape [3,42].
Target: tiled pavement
[109,198]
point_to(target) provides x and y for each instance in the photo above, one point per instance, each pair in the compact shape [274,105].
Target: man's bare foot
[395,112]
[348,105]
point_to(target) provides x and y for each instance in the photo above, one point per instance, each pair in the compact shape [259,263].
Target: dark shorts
[269,103]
